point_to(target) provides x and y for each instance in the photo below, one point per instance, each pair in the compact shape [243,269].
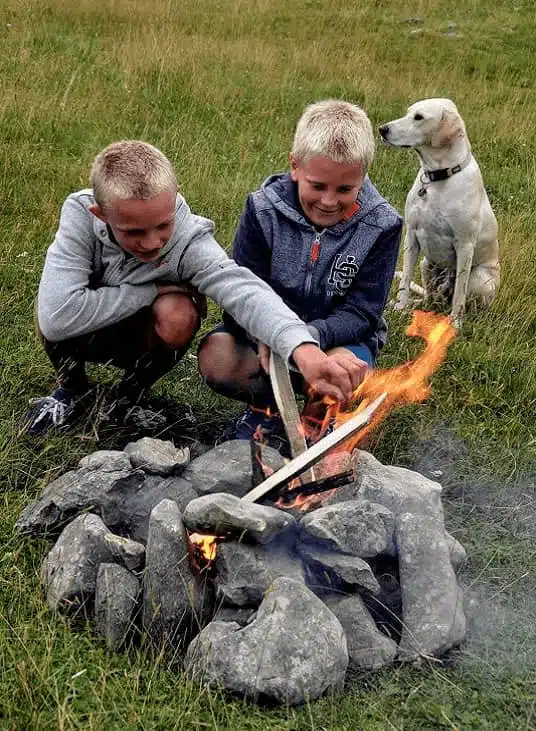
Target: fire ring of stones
[290,601]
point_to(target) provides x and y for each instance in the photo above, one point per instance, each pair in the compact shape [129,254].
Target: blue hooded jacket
[336,279]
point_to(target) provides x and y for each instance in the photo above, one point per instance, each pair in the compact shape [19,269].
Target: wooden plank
[315,453]
[288,409]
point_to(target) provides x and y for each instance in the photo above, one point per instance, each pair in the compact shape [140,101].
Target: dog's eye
[417,117]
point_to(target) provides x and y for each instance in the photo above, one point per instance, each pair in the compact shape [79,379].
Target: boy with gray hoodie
[327,242]
[124,283]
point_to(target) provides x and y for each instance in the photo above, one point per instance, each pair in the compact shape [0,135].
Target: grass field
[218,85]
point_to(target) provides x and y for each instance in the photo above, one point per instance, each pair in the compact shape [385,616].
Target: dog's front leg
[411,254]
[464,263]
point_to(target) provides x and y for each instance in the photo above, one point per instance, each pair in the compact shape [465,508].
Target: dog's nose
[384,131]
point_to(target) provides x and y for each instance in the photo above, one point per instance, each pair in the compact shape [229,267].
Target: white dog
[448,214]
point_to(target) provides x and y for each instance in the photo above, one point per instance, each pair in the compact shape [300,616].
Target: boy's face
[141,227]
[327,189]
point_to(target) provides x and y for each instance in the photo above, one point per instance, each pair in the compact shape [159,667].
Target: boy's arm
[365,301]
[67,306]
[258,309]
[247,298]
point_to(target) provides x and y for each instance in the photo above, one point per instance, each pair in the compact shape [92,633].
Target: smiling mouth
[327,213]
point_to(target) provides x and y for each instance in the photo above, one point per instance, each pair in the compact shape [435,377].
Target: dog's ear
[450,126]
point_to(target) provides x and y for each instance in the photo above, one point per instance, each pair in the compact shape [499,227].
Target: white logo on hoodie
[342,274]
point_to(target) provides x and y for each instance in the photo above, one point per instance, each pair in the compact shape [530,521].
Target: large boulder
[432,602]
[228,468]
[293,651]
[78,491]
[396,488]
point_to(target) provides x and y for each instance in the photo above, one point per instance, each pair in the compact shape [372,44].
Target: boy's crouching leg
[176,319]
[229,368]
[173,324]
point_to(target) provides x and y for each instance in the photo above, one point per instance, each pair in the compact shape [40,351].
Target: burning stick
[315,453]
[325,484]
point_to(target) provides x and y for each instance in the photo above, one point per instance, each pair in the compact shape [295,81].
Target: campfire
[266,576]
[379,393]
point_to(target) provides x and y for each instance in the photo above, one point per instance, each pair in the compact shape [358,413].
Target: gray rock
[126,508]
[69,571]
[396,488]
[227,468]
[368,648]
[157,457]
[106,460]
[73,493]
[432,602]
[222,514]
[177,602]
[292,652]
[244,572]
[336,571]
[129,553]
[116,598]
[358,527]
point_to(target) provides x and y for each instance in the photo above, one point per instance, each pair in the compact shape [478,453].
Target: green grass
[218,85]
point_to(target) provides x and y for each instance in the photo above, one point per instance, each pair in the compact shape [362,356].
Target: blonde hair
[131,169]
[334,129]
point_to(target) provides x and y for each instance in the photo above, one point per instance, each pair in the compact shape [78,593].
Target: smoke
[494,516]
[501,629]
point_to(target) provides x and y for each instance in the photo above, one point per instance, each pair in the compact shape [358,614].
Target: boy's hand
[336,375]
[264,356]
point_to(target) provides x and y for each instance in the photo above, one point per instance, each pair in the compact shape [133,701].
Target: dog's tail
[413,287]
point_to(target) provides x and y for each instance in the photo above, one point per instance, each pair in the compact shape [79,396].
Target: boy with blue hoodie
[327,242]
[124,282]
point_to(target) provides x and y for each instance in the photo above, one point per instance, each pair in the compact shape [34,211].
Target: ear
[450,126]
[293,168]
[97,211]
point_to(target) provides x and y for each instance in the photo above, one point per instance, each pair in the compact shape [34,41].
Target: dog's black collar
[433,176]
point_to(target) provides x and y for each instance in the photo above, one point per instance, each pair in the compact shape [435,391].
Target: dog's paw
[400,305]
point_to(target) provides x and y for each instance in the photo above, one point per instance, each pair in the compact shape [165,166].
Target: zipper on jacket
[313,258]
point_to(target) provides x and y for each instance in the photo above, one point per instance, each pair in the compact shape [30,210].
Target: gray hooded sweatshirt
[89,281]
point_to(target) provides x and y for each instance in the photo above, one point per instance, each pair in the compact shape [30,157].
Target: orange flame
[205,544]
[405,383]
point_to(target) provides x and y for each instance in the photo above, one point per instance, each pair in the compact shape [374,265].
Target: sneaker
[56,411]
[253,421]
